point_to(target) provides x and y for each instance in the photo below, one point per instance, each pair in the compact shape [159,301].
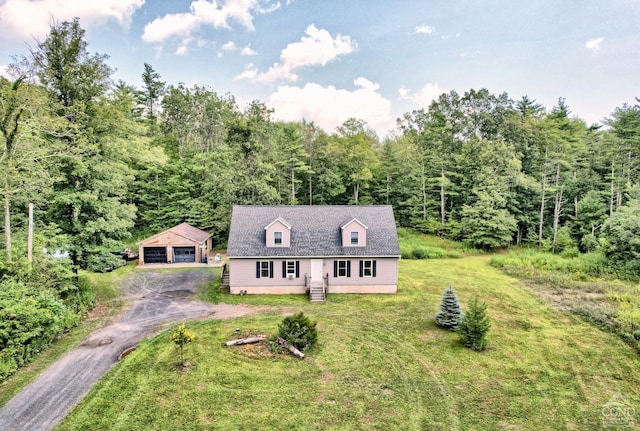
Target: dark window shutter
[271,269]
[348,268]
[284,269]
[361,268]
[374,268]
[297,268]
[258,269]
[335,268]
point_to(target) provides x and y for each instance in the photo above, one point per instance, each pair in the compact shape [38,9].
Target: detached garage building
[180,244]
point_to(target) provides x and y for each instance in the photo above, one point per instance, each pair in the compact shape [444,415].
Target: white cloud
[229,46]
[248,51]
[4,71]
[450,36]
[212,13]
[329,107]
[422,97]
[404,92]
[24,19]
[232,47]
[366,85]
[249,73]
[594,44]
[424,29]
[317,48]
[183,47]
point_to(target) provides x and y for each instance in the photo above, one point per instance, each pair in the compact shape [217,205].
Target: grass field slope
[381,364]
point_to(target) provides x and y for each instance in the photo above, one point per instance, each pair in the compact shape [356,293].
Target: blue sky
[328,60]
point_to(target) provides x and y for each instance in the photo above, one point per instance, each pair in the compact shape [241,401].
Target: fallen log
[250,340]
[291,348]
[125,352]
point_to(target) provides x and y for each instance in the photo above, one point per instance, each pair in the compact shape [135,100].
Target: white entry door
[316,269]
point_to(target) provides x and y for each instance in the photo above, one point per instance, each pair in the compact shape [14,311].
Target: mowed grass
[381,364]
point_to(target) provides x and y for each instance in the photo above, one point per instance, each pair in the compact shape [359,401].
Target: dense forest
[102,161]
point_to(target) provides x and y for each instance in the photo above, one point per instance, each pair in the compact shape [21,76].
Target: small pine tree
[474,326]
[182,337]
[299,331]
[450,313]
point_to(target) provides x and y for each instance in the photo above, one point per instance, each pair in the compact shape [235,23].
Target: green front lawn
[382,364]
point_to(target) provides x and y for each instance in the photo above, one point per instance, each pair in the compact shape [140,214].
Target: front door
[316,269]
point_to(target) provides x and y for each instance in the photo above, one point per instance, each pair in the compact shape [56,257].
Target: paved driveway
[154,299]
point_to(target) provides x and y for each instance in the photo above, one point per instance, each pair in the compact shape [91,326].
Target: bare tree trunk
[293,187]
[310,189]
[442,198]
[575,199]
[388,188]
[157,194]
[618,198]
[557,209]
[611,197]
[423,186]
[356,191]
[543,199]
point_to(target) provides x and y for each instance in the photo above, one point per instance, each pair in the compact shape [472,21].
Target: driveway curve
[154,299]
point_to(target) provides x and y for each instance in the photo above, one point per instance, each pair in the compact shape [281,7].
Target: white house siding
[242,277]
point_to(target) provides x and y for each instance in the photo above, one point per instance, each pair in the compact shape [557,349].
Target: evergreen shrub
[450,312]
[474,326]
[299,331]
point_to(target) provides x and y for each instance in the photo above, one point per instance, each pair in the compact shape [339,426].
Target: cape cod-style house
[313,249]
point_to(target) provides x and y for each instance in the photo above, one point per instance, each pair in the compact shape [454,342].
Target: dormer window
[278,234]
[354,233]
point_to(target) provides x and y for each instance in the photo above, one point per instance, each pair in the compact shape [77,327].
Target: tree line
[101,160]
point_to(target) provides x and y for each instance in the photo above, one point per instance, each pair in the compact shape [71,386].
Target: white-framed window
[354,238]
[264,269]
[277,238]
[290,268]
[367,268]
[342,268]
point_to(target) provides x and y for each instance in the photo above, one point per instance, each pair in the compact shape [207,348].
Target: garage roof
[185,230]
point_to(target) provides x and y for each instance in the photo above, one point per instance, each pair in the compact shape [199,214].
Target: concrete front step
[316,294]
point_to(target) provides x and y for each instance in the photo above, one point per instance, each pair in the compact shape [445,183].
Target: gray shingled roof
[186,231]
[315,230]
